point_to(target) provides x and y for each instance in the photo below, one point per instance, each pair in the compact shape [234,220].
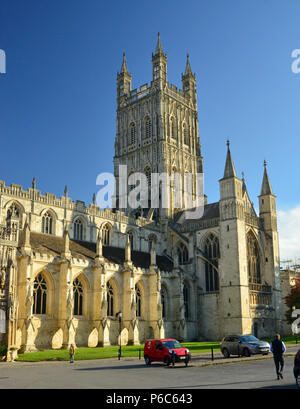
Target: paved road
[133,374]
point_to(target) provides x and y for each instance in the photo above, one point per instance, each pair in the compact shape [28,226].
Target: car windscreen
[172,344]
[248,338]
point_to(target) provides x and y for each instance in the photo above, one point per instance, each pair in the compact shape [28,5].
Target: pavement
[256,372]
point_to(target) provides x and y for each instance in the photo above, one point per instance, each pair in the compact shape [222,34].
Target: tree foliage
[292,300]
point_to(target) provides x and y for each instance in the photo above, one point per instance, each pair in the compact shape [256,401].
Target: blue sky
[58,97]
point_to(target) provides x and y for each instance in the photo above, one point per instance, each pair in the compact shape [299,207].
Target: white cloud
[289,234]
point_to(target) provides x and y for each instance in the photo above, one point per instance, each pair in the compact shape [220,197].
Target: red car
[168,351]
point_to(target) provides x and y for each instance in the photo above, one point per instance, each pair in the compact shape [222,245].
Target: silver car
[243,345]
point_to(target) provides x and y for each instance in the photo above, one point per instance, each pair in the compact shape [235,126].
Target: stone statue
[29,300]
[2,277]
[70,305]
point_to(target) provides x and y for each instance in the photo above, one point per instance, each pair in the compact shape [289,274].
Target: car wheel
[225,353]
[298,381]
[147,360]
[167,361]
[246,353]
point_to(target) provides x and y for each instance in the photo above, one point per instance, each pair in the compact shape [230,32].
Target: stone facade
[288,280]
[67,269]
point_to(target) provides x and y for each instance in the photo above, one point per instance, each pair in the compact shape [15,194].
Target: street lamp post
[119,316]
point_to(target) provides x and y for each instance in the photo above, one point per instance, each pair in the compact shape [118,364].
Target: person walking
[72,353]
[278,348]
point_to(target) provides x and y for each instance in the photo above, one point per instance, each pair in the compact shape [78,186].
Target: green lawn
[106,352]
[127,351]
[81,353]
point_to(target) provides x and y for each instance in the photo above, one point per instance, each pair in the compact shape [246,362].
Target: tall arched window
[254,270]
[110,300]
[138,301]
[13,219]
[106,235]
[78,297]
[132,136]
[183,254]
[39,295]
[47,223]
[148,175]
[186,138]
[212,252]
[186,301]
[13,212]
[78,230]
[148,127]
[164,302]
[173,128]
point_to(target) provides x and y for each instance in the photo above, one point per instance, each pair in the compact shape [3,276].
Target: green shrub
[3,350]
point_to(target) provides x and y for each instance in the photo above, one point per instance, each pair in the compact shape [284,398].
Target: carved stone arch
[182,250]
[82,276]
[173,127]
[147,172]
[132,135]
[85,286]
[186,289]
[50,210]
[250,230]
[140,299]
[81,216]
[148,126]
[106,229]
[50,283]
[16,202]
[79,234]
[113,309]
[14,212]
[48,221]
[210,245]
[165,300]
[254,258]
[205,236]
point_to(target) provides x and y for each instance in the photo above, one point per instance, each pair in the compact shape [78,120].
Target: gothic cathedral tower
[234,290]
[157,128]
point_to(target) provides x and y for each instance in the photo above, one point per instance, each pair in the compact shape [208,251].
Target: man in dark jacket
[278,348]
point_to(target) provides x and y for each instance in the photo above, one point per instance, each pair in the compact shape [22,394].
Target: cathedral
[76,273]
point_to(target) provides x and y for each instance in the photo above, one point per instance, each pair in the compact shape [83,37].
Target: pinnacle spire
[66,242]
[244,188]
[229,171]
[124,68]
[158,48]
[99,245]
[188,69]
[266,188]
[27,233]
[128,250]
